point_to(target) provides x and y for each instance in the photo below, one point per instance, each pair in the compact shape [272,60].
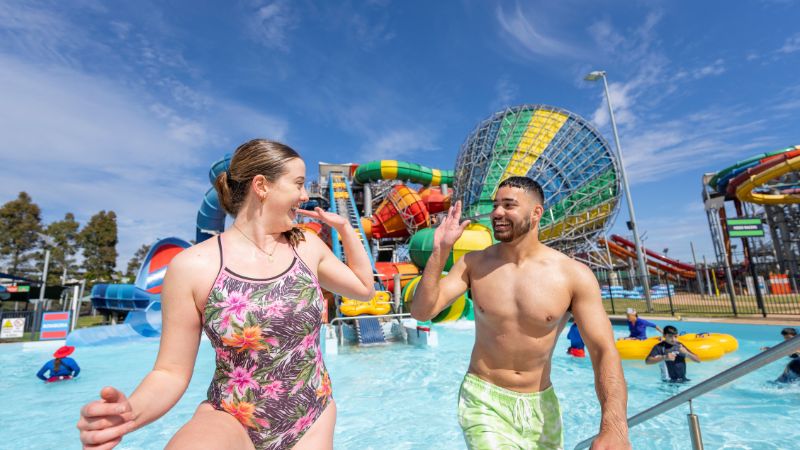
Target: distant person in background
[787,333]
[576,345]
[60,368]
[637,326]
[673,354]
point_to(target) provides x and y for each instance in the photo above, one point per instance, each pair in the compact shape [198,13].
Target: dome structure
[564,153]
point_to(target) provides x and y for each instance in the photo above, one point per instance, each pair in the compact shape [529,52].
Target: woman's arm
[40,374]
[180,338]
[103,422]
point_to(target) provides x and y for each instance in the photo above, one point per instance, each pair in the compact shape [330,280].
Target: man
[522,295]
[787,333]
[637,326]
[673,354]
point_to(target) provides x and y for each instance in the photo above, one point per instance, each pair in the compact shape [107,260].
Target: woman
[256,292]
[61,368]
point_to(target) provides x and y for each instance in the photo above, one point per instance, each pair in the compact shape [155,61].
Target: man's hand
[611,440]
[446,234]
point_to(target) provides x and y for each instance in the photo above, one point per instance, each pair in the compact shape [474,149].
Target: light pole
[642,268]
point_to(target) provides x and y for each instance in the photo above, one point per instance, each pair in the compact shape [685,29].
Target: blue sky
[124,105]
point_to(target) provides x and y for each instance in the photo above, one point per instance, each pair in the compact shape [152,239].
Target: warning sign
[13,328]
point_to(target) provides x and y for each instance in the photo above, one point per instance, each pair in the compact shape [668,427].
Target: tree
[62,255]
[20,221]
[99,241]
[136,262]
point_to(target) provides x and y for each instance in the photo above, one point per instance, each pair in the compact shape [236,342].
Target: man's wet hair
[527,184]
[669,329]
[789,331]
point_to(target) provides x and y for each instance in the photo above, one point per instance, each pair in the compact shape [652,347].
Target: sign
[745,227]
[23,288]
[55,325]
[12,328]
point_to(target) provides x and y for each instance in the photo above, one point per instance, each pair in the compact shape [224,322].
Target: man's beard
[513,231]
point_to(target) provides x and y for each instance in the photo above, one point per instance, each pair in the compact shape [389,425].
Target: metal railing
[745,367]
[342,319]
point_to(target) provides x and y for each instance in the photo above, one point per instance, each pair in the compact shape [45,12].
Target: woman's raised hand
[103,422]
[333,220]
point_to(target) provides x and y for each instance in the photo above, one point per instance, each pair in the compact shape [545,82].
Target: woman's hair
[255,157]
[57,365]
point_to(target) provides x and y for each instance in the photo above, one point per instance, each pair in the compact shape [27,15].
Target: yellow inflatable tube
[636,348]
[380,304]
[707,346]
[727,342]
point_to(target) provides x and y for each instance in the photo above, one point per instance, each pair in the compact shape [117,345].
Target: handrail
[743,368]
[342,319]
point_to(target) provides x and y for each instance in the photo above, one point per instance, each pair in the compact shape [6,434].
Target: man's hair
[789,331]
[669,329]
[528,185]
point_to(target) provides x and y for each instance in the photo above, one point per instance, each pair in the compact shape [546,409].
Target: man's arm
[433,293]
[595,328]
[689,354]
[655,356]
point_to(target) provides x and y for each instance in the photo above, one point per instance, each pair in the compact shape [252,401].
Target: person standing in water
[523,293]
[61,367]
[256,291]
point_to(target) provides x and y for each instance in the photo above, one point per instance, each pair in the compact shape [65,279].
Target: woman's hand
[103,422]
[333,220]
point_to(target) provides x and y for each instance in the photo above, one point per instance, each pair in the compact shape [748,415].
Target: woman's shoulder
[205,255]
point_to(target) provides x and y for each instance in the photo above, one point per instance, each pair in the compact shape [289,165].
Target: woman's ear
[261,186]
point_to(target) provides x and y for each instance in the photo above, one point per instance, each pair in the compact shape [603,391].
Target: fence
[774,292]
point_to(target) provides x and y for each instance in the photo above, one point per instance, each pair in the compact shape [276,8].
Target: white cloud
[271,23]
[532,38]
[715,68]
[397,143]
[83,143]
[791,45]
[505,93]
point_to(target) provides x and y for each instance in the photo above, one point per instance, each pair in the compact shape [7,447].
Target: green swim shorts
[496,418]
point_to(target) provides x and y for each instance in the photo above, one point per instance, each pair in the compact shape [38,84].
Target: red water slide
[653,259]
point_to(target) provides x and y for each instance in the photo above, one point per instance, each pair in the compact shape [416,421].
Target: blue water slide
[140,301]
[211,216]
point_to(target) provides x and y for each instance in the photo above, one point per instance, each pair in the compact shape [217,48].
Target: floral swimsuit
[270,374]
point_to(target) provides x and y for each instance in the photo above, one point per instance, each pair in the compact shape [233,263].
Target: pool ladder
[734,373]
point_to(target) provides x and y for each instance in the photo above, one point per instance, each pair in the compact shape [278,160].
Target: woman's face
[286,194]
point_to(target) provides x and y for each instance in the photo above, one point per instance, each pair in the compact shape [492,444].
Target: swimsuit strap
[219,242]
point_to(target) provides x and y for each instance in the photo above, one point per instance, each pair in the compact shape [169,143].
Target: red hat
[65,350]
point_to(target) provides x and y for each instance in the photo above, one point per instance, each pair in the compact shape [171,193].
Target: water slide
[743,177]
[624,248]
[211,216]
[368,330]
[745,186]
[141,301]
[399,170]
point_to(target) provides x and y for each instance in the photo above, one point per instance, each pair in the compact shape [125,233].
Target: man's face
[514,214]
[787,336]
[631,318]
[671,339]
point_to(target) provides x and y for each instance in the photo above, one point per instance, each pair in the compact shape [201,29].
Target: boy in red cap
[61,368]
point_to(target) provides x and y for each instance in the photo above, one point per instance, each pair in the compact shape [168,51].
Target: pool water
[405,397]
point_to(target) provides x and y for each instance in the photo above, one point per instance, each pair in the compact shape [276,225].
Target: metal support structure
[694,429]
